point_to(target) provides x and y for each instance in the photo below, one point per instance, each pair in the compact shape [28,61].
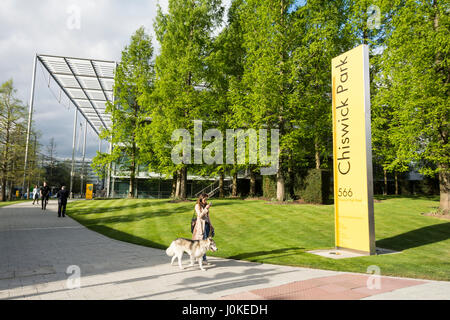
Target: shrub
[269,187]
[313,186]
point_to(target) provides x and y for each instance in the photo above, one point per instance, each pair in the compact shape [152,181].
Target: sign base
[339,253]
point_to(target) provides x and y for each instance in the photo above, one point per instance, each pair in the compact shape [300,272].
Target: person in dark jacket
[45,194]
[62,196]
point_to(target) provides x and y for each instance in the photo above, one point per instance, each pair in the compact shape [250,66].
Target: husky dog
[195,248]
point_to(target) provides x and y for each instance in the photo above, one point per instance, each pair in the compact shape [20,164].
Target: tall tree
[12,117]
[271,36]
[371,23]
[185,34]
[225,70]
[383,146]
[416,76]
[18,142]
[326,35]
[133,80]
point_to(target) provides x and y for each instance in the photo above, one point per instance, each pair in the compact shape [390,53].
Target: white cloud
[28,27]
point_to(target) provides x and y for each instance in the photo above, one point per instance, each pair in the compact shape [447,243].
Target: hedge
[312,186]
[315,187]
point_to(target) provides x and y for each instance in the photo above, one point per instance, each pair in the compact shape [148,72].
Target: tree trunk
[221,185]
[133,162]
[444,188]
[178,186]
[183,183]
[10,193]
[3,188]
[174,185]
[385,192]
[132,184]
[234,189]
[396,183]
[281,193]
[136,190]
[317,154]
[291,185]
[5,161]
[11,182]
[252,183]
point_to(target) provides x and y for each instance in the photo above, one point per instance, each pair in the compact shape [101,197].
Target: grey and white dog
[194,248]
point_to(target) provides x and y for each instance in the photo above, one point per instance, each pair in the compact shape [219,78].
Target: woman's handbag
[193,222]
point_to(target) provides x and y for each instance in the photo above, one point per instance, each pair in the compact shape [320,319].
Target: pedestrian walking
[36,194]
[62,196]
[45,194]
[203,227]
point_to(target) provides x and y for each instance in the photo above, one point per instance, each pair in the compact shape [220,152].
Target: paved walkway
[37,248]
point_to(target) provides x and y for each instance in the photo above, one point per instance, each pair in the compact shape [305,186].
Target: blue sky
[298,3]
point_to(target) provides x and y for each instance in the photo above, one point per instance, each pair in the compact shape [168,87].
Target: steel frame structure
[87,83]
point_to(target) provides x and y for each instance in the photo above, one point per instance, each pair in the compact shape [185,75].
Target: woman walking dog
[203,227]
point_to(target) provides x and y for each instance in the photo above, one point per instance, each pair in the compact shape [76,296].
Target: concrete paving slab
[435,290]
[345,254]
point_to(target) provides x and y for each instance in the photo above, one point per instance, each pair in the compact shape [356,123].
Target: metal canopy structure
[88,83]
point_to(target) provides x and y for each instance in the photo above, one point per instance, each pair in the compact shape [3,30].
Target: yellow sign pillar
[352,152]
[89,191]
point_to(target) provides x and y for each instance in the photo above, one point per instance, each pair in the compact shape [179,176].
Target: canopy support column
[72,171]
[108,177]
[30,115]
[84,156]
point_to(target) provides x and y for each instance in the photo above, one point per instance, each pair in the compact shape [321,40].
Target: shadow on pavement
[221,281]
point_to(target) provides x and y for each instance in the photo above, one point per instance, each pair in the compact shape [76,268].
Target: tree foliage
[415,75]
[134,80]
[180,96]
[268,67]
[12,138]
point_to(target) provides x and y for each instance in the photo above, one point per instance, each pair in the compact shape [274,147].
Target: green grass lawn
[281,234]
